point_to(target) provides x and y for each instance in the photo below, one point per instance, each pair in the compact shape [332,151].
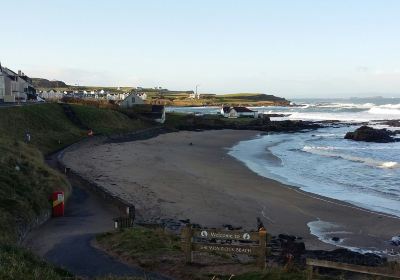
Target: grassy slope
[106,121]
[19,264]
[24,192]
[46,123]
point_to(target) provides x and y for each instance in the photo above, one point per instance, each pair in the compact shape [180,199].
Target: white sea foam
[324,231]
[332,152]
[384,111]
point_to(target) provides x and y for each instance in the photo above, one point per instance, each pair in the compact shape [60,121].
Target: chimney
[19,73]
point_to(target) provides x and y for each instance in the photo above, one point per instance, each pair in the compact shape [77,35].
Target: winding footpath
[66,241]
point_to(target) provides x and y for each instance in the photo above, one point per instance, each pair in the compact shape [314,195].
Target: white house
[15,87]
[142,95]
[238,111]
[131,100]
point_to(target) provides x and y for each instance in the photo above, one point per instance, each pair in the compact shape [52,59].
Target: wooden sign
[226,234]
[225,248]
[256,242]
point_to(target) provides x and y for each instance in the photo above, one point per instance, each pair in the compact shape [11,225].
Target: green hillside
[26,180]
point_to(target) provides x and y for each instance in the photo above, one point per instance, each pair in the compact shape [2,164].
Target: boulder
[369,134]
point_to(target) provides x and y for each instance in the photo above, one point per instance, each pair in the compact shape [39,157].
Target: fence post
[262,258]
[309,272]
[187,233]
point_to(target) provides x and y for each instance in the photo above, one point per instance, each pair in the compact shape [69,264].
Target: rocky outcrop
[394,123]
[369,134]
[260,124]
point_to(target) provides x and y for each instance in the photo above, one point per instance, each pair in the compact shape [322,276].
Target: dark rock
[276,115]
[395,241]
[369,134]
[288,247]
[230,227]
[287,237]
[394,123]
[336,239]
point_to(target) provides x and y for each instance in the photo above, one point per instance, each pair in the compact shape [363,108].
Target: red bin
[58,204]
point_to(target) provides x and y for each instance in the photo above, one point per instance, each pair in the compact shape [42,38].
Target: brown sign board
[230,249]
[225,234]
[190,244]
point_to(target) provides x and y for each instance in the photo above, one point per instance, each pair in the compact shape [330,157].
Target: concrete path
[66,241]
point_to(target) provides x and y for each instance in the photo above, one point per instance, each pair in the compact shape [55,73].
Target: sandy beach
[166,177]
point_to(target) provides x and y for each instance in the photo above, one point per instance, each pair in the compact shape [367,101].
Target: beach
[189,175]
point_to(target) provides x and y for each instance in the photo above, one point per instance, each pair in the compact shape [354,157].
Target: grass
[189,121]
[47,124]
[16,263]
[107,121]
[139,241]
[25,183]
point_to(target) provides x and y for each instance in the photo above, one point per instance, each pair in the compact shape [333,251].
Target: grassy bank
[20,264]
[107,121]
[26,181]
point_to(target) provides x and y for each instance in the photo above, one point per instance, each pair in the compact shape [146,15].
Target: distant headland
[159,95]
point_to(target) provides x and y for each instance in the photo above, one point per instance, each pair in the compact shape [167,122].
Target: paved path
[66,241]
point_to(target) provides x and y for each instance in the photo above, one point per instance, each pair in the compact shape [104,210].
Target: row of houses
[83,94]
[15,87]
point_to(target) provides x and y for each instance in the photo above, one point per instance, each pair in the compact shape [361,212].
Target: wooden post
[309,272]
[187,233]
[262,258]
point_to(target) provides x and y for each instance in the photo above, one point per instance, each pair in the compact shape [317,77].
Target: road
[66,241]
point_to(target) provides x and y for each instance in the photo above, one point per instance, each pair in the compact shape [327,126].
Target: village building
[237,112]
[131,100]
[142,95]
[15,87]
[51,94]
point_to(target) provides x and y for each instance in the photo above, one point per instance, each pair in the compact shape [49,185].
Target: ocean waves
[334,153]
[363,174]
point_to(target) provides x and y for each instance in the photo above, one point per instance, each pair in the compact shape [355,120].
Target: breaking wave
[332,152]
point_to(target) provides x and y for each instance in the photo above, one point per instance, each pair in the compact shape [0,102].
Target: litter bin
[58,204]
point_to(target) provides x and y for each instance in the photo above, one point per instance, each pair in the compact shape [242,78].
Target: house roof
[243,110]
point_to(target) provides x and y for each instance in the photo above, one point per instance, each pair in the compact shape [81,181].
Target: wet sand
[166,177]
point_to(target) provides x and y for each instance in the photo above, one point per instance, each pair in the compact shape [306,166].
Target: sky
[290,48]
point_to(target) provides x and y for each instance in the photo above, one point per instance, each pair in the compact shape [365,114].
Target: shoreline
[184,191]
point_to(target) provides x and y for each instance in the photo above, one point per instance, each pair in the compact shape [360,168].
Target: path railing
[375,271]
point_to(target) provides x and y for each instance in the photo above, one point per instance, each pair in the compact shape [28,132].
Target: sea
[321,161]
